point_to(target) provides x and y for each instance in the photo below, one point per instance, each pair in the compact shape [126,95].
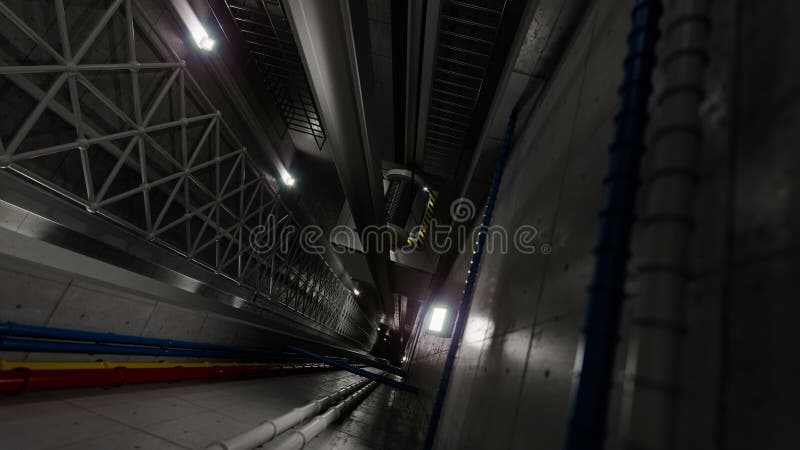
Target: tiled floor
[192,415]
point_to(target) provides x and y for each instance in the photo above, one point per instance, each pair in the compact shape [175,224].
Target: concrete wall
[738,377]
[511,386]
[512,379]
[34,294]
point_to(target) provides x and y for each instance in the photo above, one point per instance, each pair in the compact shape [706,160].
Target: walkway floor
[192,415]
[386,420]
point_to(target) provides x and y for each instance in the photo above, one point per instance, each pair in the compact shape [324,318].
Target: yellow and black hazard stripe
[419,239]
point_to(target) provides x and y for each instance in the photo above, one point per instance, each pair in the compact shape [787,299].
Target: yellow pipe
[103,364]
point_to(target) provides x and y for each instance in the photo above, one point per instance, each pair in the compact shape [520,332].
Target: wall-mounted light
[356,292]
[198,32]
[288,180]
[405,358]
[438,317]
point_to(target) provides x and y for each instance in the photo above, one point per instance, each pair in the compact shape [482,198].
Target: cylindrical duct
[666,231]
[399,200]
[268,430]
[299,439]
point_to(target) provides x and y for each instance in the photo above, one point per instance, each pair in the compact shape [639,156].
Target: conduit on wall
[13,337]
[666,230]
[466,298]
[33,345]
[586,429]
[105,364]
[63,340]
[24,380]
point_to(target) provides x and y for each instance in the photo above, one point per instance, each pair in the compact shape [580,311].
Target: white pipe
[299,438]
[652,385]
[271,428]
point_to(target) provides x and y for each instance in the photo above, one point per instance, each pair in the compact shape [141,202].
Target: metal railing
[116,123]
[272,48]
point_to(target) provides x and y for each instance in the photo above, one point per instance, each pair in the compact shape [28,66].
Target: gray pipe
[299,438]
[667,222]
[271,428]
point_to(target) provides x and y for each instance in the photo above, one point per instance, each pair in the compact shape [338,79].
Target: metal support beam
[376,364]
[339,73]
[355,370]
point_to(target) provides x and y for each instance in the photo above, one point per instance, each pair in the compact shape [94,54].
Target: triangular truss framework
[169,168]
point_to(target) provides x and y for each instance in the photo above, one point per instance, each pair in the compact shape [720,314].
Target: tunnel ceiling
[385,72]
[549,32]
[466,45]
[466,40]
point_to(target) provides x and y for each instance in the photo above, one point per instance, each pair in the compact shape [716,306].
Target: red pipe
[17,381]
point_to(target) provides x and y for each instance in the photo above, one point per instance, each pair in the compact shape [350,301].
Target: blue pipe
[586,429]
[32,345]
[355,370]
[55,340]
[31,331]
[377,364]
[466,298]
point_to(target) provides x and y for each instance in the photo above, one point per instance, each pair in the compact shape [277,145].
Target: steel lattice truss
[108,116]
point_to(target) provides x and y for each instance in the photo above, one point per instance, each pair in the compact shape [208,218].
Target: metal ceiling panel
[466,39]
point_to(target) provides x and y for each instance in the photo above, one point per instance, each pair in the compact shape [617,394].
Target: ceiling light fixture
[437,319]
[192,22]
[206,43]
